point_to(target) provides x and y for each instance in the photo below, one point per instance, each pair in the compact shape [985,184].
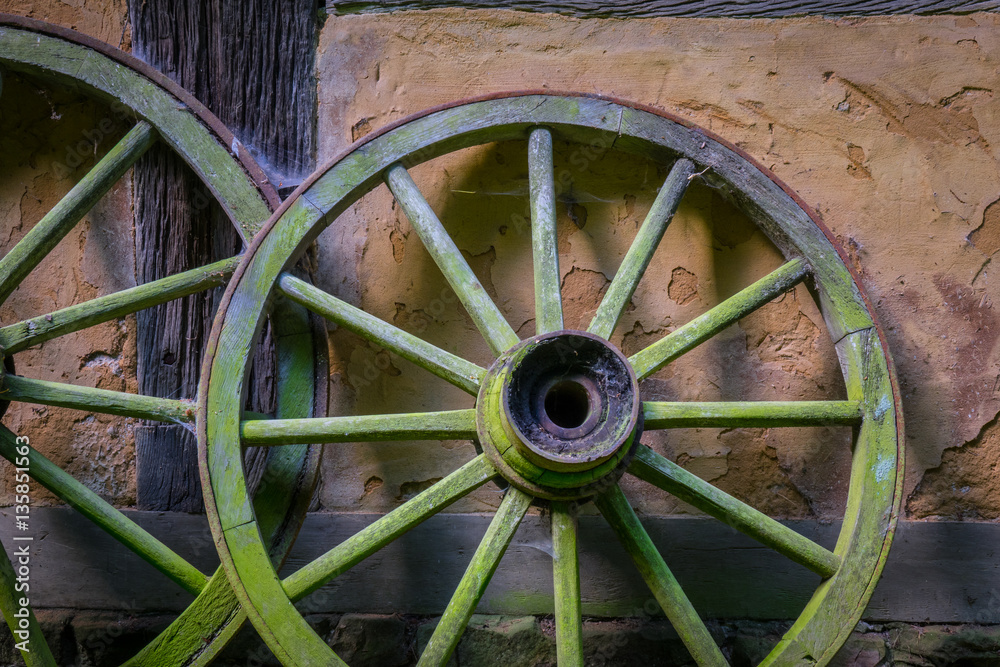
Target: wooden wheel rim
[238,184]
[876,479]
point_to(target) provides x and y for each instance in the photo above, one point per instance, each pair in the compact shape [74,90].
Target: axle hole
[567,404]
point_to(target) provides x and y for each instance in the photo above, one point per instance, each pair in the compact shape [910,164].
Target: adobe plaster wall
[887,126]
[49,137]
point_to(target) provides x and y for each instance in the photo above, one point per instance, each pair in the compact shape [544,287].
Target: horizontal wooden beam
[679,8]
[938,572]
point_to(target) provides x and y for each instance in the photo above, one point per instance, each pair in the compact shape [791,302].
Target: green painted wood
[675,604]
[222,164]
[569,118]
[445,425]
[366,542]
[209,623]
[487,317]
[667,475]
[63,395]
[636,131]
[758,194]
[178,126]
[873,505]
[98,510]
[16,337]
[544,243]
[936,571]
[476,578]
[640,253]
[202,630]
[454,369]
[697,331]
[48,231]
[289,477]
[566,587]
[306,647]
[21,618]
[751,414]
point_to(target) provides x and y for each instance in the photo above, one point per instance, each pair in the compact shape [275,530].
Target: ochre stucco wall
[50,138]
[106,20]
[886,126]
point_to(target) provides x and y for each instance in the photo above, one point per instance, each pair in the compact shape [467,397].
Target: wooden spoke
[648,361]
[477,576]
[44,236]
[97,400]
[616,509]
[667,475]
[17,337]
[544,244]
[488,318]
[641,252]
[454,369]
[98,510]
[449,425]
[353,550]
[35,651]
[750,414]
[566,580]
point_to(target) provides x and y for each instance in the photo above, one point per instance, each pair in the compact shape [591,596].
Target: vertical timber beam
[252,63]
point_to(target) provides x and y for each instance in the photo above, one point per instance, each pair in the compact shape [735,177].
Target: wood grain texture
[104,517]
[251,63]
[459,372]
[640,253]
[544,240]
[693,8]
[661,581]
[938,572]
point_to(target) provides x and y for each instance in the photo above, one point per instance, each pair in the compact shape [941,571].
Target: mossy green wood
[672,478]
[688,336]
[355,549]
[764,200]
[544,243]
[55,224]
[872,508]
[566,586]
[199,634]
[475,580]
[861,552]
[449,425]
[640,253]
[98,510]
[451,368]
[78,65]
[37,330]
[488,318]
[64,395]
[751,414]
[215,615]
[675,604]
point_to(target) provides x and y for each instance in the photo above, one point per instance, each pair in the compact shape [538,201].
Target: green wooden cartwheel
[162,112]
[558,415]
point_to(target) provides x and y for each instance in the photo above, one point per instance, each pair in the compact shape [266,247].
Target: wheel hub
[558,414]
